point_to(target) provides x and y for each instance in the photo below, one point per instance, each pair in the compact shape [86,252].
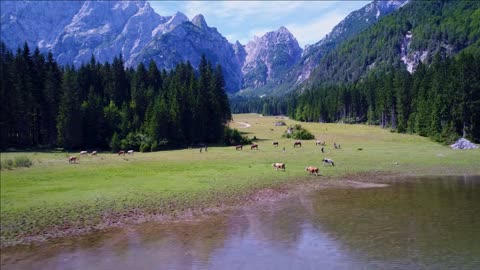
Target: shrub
[23,161]
[7,164]
[297,132]
[233,137]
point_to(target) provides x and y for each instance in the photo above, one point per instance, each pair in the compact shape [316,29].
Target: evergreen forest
[105,106]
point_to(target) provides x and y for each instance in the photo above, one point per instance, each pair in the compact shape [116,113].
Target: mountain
[187,42]
[300,71]
[269,57]
[76,30]
[106,29]
[34,23]
[407,37]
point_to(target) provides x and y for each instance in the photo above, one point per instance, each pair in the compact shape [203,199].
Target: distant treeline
[441,101]
[105,106]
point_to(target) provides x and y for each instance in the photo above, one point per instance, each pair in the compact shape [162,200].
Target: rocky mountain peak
[269,57]
[199,21]
[172,22]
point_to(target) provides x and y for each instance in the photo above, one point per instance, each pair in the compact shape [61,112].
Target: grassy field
[55,195]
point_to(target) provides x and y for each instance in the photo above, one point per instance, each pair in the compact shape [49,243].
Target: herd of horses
[310,169]
[277,166]
[74,159]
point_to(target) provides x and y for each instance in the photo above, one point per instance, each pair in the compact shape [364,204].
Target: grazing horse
[299,143]
[122,152]
[275,144]
[254,146]
[239,147]
[83,153]
[312,170]
[130,152]
[279,166]
[72,159]
[327,161]
[94,153]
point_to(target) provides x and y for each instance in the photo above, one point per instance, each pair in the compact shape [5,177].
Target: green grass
[53,193]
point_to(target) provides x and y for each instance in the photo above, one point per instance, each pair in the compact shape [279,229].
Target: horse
[279,166]
[312,170]
[327,161]
[122,152]
[254,146]
[275,144]
[72,159]
[239,147]
[299,143]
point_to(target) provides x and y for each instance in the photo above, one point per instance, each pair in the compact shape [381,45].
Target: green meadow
[55,195]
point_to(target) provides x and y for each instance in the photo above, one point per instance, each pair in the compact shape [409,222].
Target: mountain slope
[413,34]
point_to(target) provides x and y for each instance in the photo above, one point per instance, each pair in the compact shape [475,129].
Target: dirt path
[245,125]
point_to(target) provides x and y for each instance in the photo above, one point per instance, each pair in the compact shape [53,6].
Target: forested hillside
[104,106]
[413,33]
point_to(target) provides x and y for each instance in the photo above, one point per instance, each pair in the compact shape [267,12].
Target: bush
[297,132]
[23,161]
[20,161]
[233,137]
[7,164]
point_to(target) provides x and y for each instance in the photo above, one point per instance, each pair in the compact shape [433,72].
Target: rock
[463,143]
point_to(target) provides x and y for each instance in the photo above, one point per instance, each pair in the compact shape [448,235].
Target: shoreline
[274,193]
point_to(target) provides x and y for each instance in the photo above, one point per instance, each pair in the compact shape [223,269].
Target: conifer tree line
[440,101]
[105,106]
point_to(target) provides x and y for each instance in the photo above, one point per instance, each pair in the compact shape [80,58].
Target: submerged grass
[53,195]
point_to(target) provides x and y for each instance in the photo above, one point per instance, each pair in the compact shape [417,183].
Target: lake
[414,223]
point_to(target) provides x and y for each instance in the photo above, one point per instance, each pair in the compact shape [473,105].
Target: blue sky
[309,21]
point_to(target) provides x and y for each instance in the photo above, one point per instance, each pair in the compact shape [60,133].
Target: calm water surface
[429,223]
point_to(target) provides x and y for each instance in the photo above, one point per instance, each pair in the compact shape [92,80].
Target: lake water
[417,223]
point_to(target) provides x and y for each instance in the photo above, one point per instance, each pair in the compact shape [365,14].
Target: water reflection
[417,224]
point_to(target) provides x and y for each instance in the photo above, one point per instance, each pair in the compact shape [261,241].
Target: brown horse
[72,159]
[239,147]
[122,152]
[275,144]
[312,170]
[254,146]
[299,143]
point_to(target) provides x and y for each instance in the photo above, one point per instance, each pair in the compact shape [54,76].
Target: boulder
[463,143]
